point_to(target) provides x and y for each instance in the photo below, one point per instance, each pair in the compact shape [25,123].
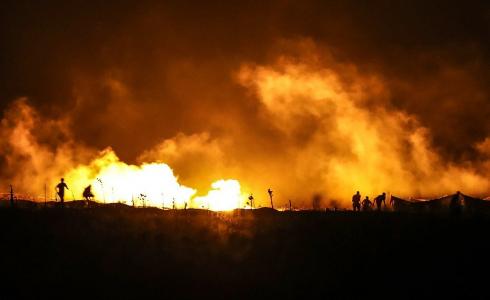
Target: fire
[225,195]
[149,184]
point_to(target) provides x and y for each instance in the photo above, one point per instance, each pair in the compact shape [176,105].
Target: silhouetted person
[380,199]
[356,201]
[61,190]
[455,204]
[366,204]
[87,194]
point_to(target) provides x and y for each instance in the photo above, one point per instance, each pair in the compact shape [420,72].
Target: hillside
[120,251]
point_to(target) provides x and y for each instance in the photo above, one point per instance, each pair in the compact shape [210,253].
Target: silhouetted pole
[290,206]
[270,196]
[45,195]
[11,196]
[102,185]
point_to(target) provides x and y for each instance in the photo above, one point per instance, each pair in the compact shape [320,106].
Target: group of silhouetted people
[60,190]
[357,205]
[366,204]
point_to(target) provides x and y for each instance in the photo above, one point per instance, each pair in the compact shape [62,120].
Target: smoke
[303,123]
[36,151]
[340,134]
[199,158]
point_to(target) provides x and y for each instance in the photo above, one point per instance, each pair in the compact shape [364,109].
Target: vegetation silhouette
[269,191]
[12,201]
[251,201]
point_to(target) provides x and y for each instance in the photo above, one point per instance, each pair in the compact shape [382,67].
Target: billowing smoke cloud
[334,132]
[315,98]
[34,165]
[331,131]
[36,151]
[341,134]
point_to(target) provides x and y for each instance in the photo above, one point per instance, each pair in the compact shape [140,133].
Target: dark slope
[122,252]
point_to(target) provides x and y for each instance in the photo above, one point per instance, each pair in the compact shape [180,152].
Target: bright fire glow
[150,184]
[225,195]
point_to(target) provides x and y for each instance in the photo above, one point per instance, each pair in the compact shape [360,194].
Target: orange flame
[150,184]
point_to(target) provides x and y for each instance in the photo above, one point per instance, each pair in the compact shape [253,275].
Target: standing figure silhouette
[380,200]
[356,201]
[61,191]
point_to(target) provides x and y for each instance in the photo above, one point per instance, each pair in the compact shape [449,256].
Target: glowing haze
[162,104]
[37,167]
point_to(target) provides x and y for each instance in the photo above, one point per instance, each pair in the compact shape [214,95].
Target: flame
[225,195]
[149,184]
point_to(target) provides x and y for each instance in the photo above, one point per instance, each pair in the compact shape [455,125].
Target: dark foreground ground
[140,253]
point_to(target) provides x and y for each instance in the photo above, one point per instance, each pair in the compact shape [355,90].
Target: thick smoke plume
[313,126]
[34,163]
[340,134]
[36,151]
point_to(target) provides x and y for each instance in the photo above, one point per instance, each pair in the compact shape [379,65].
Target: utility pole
[11,196]
[45,195]
[290,206]
[270,196]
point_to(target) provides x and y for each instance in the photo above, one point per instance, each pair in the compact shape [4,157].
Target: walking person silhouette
[61,191]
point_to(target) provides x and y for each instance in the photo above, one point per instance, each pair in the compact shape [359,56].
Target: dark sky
[51,48]
[132,73]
